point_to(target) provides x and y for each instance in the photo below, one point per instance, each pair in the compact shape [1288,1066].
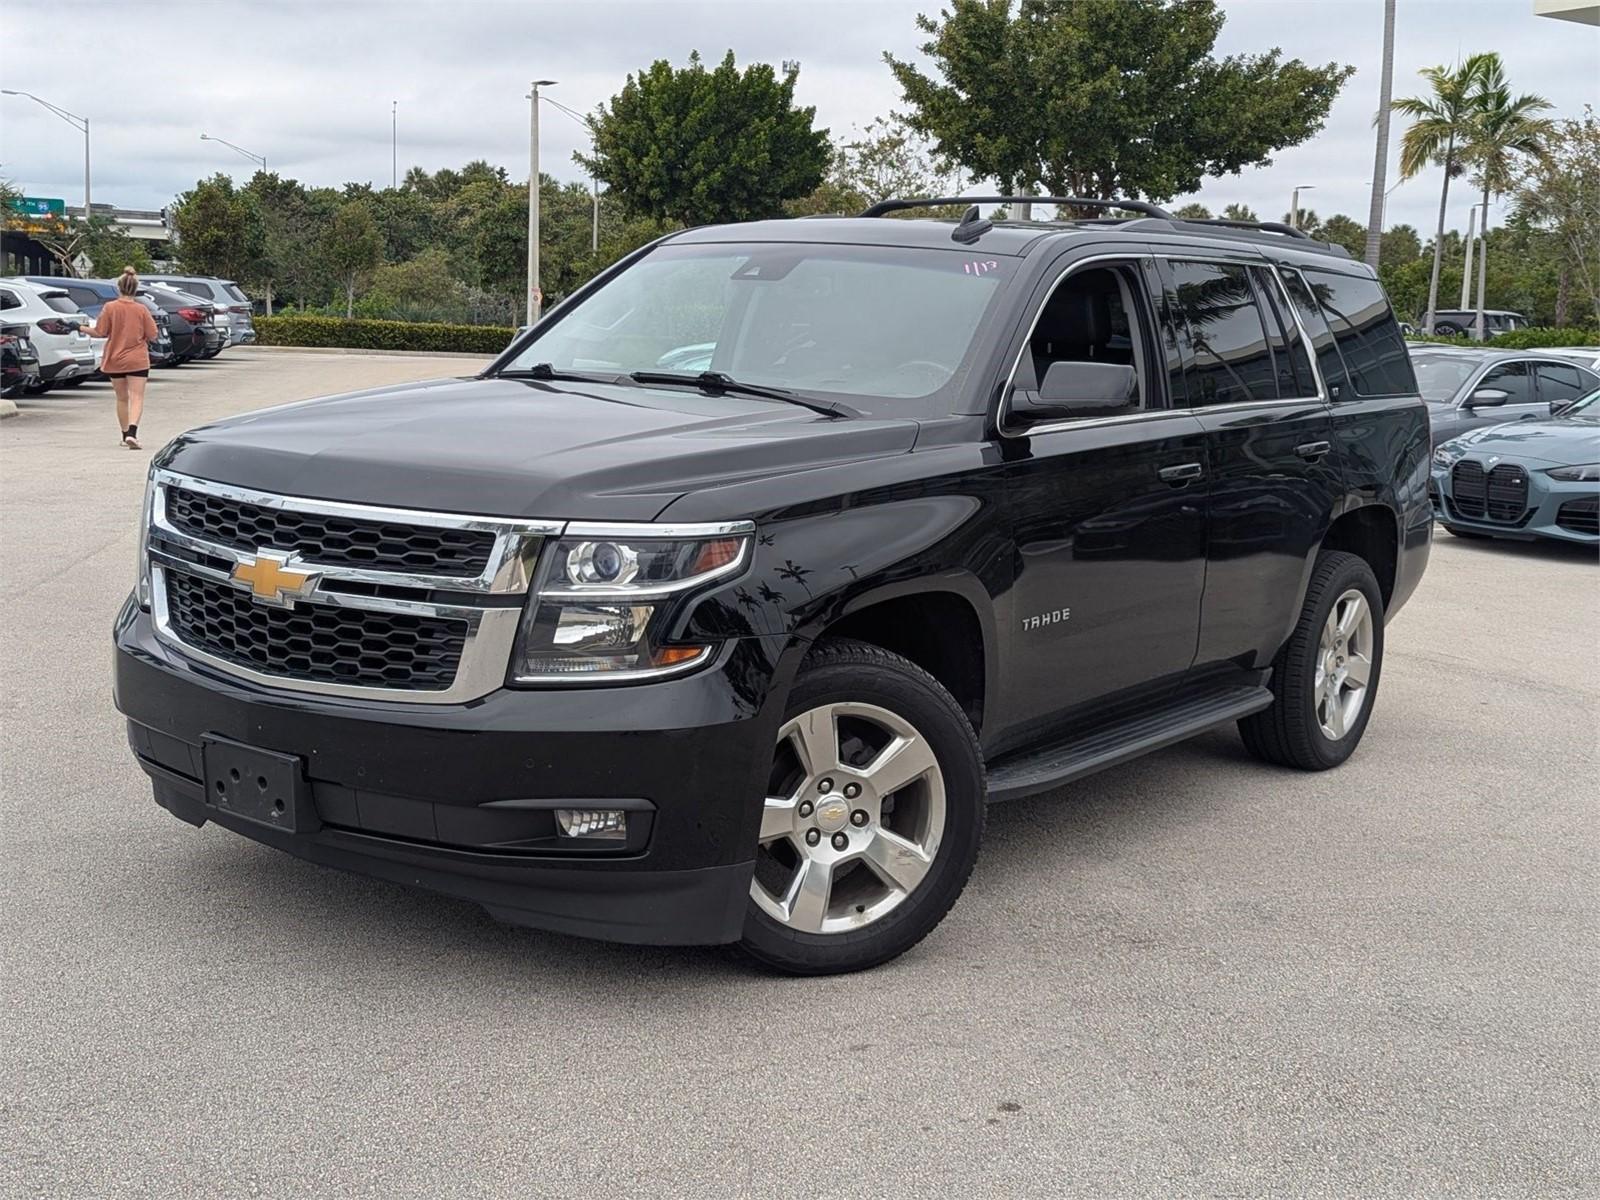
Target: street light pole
[535,299]
[394,143]
[77,122]
[1294,203]
[256,158]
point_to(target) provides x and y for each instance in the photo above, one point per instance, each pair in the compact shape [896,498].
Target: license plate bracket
[258,785]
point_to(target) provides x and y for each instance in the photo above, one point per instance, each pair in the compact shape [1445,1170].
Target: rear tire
[1324,681]
[849,876]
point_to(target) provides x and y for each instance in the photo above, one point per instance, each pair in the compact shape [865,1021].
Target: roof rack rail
[1264,226]
[895,205]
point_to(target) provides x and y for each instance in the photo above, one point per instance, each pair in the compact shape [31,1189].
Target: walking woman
[128,329]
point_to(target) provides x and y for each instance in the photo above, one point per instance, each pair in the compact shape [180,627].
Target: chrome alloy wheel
[1344,664]
[853,819]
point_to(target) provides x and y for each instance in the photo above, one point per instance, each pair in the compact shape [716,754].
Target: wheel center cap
[833,815]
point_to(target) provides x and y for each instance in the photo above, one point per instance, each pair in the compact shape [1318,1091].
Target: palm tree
[1440,122]
[1502,127]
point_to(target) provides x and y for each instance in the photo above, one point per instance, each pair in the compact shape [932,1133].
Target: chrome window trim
[1293,310]
[509,570]
[1241,260]
[484,654]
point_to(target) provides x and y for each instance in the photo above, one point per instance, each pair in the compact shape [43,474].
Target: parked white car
[66,355]
[1589,356]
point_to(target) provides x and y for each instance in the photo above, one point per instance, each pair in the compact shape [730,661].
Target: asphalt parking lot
[1193,975]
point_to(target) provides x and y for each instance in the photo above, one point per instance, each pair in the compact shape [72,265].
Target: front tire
[873,817]
[1325,679]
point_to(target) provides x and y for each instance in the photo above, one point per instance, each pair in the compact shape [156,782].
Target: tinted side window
[64,304]
[1369,340]
[80,296]
[1514,379]
[1229,359]
[1288,347]
[1329,364]
[9,300]
[195,288]
[1559,383]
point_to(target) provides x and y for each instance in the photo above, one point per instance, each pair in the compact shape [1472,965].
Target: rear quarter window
[195,288]
[1365,331]
[64,303]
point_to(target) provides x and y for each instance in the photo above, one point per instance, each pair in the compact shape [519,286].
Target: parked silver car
[233,311]
[1466,387]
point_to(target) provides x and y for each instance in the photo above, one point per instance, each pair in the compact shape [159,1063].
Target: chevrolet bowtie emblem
[270,580]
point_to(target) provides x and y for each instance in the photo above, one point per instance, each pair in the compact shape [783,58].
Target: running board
[1031,772]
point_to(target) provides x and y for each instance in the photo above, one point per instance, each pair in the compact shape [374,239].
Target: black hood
[524,448]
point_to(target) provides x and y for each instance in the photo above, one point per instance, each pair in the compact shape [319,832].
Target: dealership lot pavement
[1189,976]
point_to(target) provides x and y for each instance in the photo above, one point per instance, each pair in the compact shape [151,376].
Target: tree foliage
[701,146]
[219,229]
[352,247]
[1105,97]
[1559,191]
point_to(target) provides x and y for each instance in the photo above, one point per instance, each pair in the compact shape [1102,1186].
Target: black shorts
[144,374]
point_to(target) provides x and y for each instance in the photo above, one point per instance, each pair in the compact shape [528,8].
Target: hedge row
[381,335]
[1525,339]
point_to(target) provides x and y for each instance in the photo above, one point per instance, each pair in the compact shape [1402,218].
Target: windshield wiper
[716,383]
[545,371]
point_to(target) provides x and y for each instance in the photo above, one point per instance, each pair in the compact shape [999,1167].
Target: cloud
[309,85]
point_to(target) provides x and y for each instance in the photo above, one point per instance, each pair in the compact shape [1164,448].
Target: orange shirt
[126,325]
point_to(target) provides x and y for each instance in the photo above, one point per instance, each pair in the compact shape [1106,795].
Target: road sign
[38,206]
[82,264]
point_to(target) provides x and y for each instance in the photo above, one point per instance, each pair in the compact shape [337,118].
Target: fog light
[609,823]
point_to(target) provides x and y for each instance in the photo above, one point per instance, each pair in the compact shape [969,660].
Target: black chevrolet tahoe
[720,605]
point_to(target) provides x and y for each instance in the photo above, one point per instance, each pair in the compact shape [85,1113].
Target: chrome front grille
[326,538]
[335,598]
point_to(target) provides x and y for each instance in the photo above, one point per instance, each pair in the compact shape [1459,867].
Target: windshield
[1587,405]
[859,322]
[1440,376]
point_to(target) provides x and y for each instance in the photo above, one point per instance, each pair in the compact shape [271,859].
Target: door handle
[1311,451]
[1180,474]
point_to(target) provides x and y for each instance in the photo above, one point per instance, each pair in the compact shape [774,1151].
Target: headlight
[141,586]
[604,596]
[1587,473]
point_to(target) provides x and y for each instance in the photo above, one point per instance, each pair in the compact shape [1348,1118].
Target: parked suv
[66,354]
[232,306]
[1462,322]
[957,512]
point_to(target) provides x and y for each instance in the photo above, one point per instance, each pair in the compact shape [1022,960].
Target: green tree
[702,146]
[352,246]
[1560,191]
[1105,97]
[1439,126]
[219,230]
[1193,212]
[1503,128]
[1239,212]
[1345,231]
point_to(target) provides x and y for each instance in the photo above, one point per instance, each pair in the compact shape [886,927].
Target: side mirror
[1487,398]
[1078,389]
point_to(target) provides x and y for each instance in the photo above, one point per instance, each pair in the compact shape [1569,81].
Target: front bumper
[451,797]
[1559,509]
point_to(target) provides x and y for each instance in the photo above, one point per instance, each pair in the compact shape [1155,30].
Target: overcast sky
[309,85]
